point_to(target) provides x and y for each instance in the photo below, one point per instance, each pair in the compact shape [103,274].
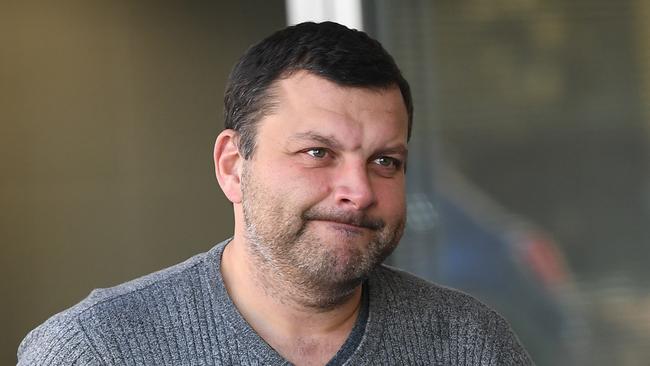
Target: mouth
[344,226]
[345,220]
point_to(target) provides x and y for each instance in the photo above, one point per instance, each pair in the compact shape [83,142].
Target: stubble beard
[296,266]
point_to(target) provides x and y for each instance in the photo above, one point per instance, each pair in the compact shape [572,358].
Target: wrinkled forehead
[307,89]
[297,81]
[308,102]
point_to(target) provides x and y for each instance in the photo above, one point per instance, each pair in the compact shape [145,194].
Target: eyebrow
[313,136]
[331,142]
[399,149]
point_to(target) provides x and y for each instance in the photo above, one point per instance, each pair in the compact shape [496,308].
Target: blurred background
[529,171]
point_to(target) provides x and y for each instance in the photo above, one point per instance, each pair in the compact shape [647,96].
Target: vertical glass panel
[529,171]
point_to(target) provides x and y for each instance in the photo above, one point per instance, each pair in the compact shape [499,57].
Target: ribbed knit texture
[183,316]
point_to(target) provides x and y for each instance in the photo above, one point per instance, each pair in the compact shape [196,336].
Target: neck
[299,332]
[270,302]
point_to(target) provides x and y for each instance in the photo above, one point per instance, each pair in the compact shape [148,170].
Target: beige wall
[108,111]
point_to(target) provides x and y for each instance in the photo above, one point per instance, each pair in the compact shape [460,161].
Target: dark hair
[345,56]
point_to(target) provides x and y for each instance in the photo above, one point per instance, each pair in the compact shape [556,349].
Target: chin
[348,264]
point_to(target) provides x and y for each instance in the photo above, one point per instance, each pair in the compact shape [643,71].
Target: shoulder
[58,341]
[81,334]
[445,317]
[407,290]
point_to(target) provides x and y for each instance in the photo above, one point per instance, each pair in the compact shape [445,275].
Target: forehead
[301,86]
[304,101]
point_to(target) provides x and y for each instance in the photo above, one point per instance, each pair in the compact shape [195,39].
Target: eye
[316,152]
[388,162]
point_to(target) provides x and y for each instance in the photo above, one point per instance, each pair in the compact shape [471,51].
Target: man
[313,159]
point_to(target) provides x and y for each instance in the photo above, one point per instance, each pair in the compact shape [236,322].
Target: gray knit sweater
[183,316]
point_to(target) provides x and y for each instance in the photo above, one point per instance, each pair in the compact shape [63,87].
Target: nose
[353,188]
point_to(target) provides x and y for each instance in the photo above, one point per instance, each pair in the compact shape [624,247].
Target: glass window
[529,182]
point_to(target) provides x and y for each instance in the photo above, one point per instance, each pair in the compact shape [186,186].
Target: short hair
[344,56]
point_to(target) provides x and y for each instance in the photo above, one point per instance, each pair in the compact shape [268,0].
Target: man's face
[323,193]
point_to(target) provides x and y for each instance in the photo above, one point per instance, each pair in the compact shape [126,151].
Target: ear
[227,164]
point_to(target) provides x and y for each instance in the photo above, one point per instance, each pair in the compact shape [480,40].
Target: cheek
[391,196]
[300,183]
